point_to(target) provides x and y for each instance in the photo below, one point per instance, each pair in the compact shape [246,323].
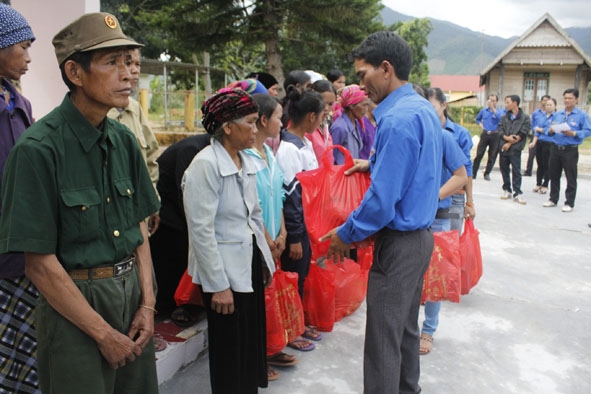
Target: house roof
[456,83]
[562,39]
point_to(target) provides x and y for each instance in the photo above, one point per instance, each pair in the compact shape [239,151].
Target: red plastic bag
[329,196]
[365,257]
[276,333]
[350,287]
[290,304]
[443,277]
[319,297]
[471,257]
[187,292]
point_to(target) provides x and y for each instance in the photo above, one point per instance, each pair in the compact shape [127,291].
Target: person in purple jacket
[18,296]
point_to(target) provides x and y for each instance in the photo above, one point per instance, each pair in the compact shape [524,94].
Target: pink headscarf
[349,96]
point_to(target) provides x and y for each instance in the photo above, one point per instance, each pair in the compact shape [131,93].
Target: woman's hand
[296,251]
[223,302]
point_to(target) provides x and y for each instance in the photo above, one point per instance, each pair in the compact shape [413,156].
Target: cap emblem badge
[111,22]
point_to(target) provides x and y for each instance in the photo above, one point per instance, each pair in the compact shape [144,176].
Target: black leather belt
[565,147]
[113,271]
[491,132]
[444,213]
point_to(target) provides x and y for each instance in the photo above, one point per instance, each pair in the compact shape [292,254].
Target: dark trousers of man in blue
[564,158]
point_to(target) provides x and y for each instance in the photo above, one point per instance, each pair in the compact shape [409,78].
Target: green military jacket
[75,191]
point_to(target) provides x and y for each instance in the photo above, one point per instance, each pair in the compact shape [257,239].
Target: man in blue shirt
[564,154]
[399,208]
[488,119]
[538,114]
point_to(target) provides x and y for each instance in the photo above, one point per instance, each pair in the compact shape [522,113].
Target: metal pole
[165,98]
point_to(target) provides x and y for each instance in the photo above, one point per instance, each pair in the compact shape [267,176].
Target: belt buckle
[561,147]
[123,267]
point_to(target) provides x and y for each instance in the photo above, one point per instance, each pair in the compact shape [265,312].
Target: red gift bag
[350,287]
[187,292]
[319,297]
[443,277]
[290,304]
[329,196]
[471,257]
[276,333]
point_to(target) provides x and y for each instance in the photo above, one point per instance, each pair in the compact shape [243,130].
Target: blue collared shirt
[489,119]
[545,123]
[578,121]
[464,140]
[538,118]
[405,169]
[453,158]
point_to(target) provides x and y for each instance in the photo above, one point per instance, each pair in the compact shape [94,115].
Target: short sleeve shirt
[75,191]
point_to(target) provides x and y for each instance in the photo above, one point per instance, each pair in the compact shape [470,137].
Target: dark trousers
[530,160]
[490,142]
[301,266]
[170,249]
[238,342]
[542,158]
[567,159]
[391,355]
[515,162]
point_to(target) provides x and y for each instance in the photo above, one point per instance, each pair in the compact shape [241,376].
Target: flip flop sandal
[282,360]
[184,316]
[426,343]
[312,334]
[307,348]
[272,374]
[159,343]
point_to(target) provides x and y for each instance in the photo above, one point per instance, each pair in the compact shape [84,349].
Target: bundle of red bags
[455,267]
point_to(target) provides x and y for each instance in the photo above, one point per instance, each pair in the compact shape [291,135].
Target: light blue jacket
[223,212]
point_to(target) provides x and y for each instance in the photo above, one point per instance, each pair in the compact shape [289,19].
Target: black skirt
[238,342]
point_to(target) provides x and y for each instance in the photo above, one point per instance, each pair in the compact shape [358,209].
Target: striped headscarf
[227,105]
[348,97]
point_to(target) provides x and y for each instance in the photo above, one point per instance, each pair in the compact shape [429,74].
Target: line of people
[556,136]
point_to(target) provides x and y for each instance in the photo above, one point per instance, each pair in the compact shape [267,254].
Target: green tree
[416,33]
[304,34]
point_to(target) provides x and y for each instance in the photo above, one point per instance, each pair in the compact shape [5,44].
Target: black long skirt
[238,342]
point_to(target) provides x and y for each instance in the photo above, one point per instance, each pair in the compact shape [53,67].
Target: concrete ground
[523,329]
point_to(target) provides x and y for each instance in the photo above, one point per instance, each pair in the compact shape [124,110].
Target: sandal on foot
[159,343]
[312,333]
[301,344]
[543,190]
[272,374]
[426,344]
[282,360]
[536,189]
[185,315]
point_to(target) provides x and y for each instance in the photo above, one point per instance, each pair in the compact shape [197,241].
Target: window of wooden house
[535,85]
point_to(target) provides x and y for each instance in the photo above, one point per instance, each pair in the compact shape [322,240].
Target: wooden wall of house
[543,56]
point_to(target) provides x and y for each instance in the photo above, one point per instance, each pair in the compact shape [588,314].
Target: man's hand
[223,302]
[153,223]
[359,165]
[296,251]
[142,327]
[118,349]
[469,212]
[337,248]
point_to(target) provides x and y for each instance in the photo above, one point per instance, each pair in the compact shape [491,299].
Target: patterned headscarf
[227,105]
[250,86]
[348,96]
[13,27]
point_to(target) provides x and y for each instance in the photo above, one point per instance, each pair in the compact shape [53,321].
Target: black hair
[515,98]
[83,59]
[389,46]
[296,77]
[301,104]
[333,75]
[573,91]
[266,103]
[438,95]
[546,96]
[496,96]
[323,85]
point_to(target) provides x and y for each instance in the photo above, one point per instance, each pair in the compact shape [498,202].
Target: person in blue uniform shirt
[488,119]
[398,208]
[564,155]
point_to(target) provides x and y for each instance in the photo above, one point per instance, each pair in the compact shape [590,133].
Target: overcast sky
[503,18]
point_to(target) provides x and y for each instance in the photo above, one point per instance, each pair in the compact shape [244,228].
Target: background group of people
[556,136]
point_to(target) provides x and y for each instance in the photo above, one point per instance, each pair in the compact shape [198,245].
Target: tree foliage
[273,35]
[416,33]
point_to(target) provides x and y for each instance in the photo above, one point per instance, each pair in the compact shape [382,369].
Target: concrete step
[184,345]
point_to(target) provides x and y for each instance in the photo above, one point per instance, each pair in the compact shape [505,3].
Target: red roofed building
[460,89]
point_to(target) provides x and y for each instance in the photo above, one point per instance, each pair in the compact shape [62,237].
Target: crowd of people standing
[87,207]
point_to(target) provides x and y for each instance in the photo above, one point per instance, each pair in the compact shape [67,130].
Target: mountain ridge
[457,50]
